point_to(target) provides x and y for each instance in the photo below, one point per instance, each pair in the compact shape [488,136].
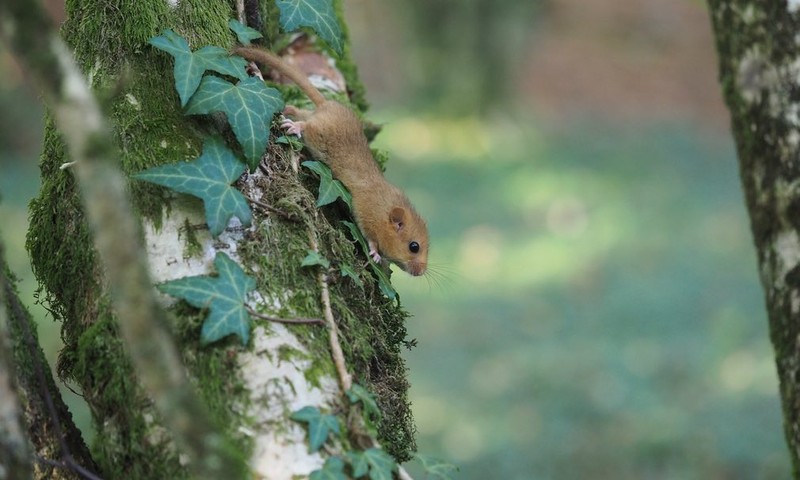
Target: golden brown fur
[334,134]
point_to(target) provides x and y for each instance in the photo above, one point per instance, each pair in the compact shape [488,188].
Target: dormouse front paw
[292,127]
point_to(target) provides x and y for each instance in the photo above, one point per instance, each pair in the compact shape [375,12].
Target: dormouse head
[409,246]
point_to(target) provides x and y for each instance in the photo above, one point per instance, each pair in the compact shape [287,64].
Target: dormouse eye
[414,247]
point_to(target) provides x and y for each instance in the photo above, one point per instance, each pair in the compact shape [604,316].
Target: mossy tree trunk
[30,401]
[759,60]
[252,389]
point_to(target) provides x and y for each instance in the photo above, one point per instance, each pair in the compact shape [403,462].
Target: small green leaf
[209,177]
[222,295]
[436,468]
[358,462]
[249,106]
[320,426]
[329,189]
[292,141]
[221,61]
[380,464]
[171,43]
[357,393]
[348,271]
[314,258]
[384,283]
[190,66]
[317,14]
[243,33]
[332,470]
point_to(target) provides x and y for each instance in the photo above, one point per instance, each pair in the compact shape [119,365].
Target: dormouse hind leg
[292,111]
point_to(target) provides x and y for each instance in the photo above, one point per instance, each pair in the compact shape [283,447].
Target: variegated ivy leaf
[249,106]
[243,33]
[190,66]
[332,470]
[384,283]
[320,426]
[209,177]
[317,14]
[378,463]
[329,188]
[223,296]
[437,469]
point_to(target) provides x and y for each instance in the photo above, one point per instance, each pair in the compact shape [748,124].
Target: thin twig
[333,332]
[270,318]
[240,11]
[272,209]
[403,474]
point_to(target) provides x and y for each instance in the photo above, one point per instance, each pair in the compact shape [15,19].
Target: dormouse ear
[397,217]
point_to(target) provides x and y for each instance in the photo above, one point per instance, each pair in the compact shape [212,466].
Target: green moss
[381,157]
[372,327]
[124,434]
[192,246]
[210,369]
[346,65]
[270,15]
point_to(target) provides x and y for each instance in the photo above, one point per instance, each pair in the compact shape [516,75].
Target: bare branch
[285,320]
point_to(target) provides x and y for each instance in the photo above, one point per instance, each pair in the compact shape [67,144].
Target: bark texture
[15,457]
[46,419]
[759,59]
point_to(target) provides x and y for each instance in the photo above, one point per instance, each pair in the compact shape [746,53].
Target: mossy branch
[117,238]
[14,453]
[54,439]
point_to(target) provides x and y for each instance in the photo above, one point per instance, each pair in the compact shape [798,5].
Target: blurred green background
[597,312]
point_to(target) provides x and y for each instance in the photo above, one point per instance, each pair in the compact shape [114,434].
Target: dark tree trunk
[47,421]
[759,61]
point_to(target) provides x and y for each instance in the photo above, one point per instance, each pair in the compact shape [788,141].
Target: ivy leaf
[221,61]
[293,142]
[209,177]
[249,106]
[314,258]
[320,426]
[329,189]
[348,271]
[436,468]
[190,66]
[223,295]
[357,393]
[243,33]
[379,463]
[332,470]
[384,283]
[317,14]
[358,462]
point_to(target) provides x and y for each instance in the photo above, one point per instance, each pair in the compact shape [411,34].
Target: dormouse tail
[273,61]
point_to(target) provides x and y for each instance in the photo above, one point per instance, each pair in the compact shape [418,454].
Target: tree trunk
[15,457]
[48,423]
[251,390]
[759,59]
